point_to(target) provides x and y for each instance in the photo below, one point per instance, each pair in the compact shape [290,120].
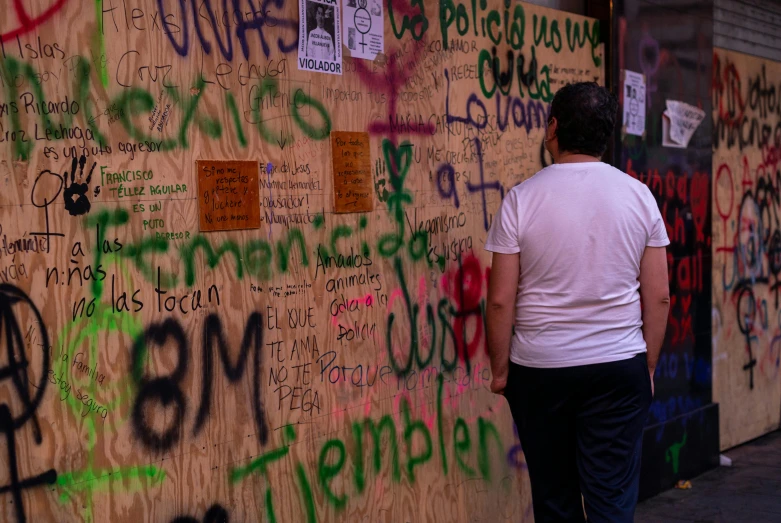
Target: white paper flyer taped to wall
[319,36]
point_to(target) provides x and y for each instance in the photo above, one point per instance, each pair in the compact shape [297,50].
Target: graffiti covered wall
[319,367]
[746,245]
[671,45]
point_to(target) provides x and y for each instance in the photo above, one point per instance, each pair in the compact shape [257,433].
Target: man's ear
[550,132]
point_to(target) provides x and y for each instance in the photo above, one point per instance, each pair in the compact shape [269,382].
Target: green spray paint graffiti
[22,140]
[209,126]
[333,455]
[398,160]
[84,337]
[505,26]
[537,82]
[270,87]
[673,453]
[260,466]
[100,42]
[417,25]
[134,102]
[576,38]
[256,257]
[91,479]
[231,103]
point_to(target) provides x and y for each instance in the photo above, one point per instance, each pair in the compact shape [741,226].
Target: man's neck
[575,158]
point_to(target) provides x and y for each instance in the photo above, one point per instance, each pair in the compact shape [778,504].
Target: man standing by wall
[576,248]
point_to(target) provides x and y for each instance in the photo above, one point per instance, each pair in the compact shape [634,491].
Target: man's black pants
[581,431]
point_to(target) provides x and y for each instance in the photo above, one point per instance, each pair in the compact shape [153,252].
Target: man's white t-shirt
[581,230]
[320,44]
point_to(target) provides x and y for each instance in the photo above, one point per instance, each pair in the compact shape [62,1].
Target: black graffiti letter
[215,514]
[16,371]
[16,487]
[212,332]
[37,201]
[164,389]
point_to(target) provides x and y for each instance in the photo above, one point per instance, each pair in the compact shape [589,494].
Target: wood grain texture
[315,368]
[746,382]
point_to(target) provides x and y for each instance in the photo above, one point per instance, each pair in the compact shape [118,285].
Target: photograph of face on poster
[320,31]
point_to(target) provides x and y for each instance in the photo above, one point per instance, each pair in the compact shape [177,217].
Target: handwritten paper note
[679,122]
[352,172]
[228,196]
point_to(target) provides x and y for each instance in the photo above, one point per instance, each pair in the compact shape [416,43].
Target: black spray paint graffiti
[166,390]
[41,198]
[75,194]
[11,299]
[759,239]
[215,514]
[47,188]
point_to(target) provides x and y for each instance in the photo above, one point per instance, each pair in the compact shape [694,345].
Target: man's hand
[655,299]
[498,383]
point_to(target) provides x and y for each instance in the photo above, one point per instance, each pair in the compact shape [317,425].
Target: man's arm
[655,296]
[500,315]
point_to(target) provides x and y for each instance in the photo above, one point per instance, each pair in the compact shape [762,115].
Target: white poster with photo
[319,36]
[634,103]
[363,28]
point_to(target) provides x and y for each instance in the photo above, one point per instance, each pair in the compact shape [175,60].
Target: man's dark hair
[586,116]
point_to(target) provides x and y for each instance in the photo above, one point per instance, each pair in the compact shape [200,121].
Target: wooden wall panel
[320,368]
[746,243]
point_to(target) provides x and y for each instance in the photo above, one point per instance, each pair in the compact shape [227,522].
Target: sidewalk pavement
[748,491]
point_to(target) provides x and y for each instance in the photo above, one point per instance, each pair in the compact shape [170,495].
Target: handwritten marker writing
[269,168]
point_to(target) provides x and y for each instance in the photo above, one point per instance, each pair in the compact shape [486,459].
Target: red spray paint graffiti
[464,285]
[27,24]
[678,194]
[398,72]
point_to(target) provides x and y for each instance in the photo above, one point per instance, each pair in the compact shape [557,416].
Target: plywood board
[746,243]
[278,372]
